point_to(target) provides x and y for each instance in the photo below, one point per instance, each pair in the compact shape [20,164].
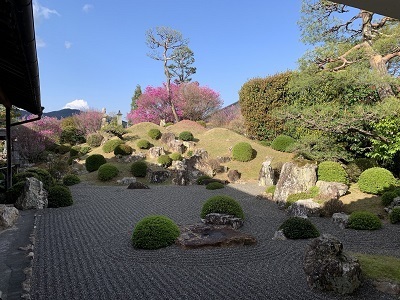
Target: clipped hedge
[154,232]
[186,136]
[222,204]
[299,228]
[214,186]
[376,180]
[71,179]
[364,220]
[242,152]
[154,133]
[164,160]
[110,145]
[123,149]
[143,144]
[13,193]
[202,179]
[94,140]
[107,172]
[394,215]
[282,143]
[176,156]
[388,197]
[59,196]
[94,161]
[332,171]
[139,168]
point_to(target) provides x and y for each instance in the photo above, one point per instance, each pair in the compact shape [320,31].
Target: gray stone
[223,219]
[180,175]
[137,186]
[341,219]
[328,268]
[233,175]
[34,196]
[201,152]
[331,190]
[294,179]
[158,176]
[126,180]
[138,156]
[177,146]
[167,138]
[304,208]
[199,162]
[155,152]
[266,175]
[8,216]
[387,287]
[279,236]
[394,204]
[223,159]
[189,145]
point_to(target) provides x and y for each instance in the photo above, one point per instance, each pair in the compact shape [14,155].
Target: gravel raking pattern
[84,251]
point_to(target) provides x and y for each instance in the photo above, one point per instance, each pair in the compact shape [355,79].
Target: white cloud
[40,11]
[87,7]
[77,104]
[67,44]
[40,43]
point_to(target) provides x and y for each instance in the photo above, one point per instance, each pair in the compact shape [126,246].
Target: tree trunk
[378,65]
[168,77]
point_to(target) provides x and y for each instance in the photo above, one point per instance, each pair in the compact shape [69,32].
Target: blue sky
[96,51]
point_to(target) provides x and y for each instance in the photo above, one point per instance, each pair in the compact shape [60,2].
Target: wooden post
[8,145]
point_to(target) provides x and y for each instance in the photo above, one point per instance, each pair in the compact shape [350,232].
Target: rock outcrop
[266,175]
[223,219]
[8,216]
[34,196]
[304,208]
[331,190]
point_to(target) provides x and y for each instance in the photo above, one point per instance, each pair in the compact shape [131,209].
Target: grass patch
[356,200]
[380,266]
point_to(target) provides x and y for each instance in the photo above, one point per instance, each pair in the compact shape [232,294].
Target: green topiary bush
[21,177]
[93,162]
[202,178]
[394,216]
[387,197]
[359,165]
[164,160]
[107,172]
[376,180]
[94,140]
[139,168]
[72,135]
[59,196]
[186,136]
[222,204]
[62,149]
[332,171]
[364,220]
[202,123]
[84,150]
[299,228]
[176,156]
[214,186]
[143,144]
[110,145]
[44,176]
[154,232]
[154,133]
[123,149]
[282,143]
[71,179]
[74,151]
[13,193]
[242,152]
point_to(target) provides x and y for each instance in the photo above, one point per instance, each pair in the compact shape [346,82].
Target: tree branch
[389,56]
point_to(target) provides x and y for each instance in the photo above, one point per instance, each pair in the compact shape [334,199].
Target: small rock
[279,236]
[341,219]
[137,185]
[126,180]
[223,219]
[233,175]
[8,216]
[304,208]
[387,287]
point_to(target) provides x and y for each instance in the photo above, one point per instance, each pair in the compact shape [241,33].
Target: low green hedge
[394,216]
[222,204]
[299,228]
[107,172]
[376,181]
[94,161]
[364,220]
[71,179]
[59,196]
[139,168]
[242,152]
[214,186]
[332,171]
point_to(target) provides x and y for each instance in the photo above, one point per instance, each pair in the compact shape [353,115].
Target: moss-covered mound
[332,171]
[242,152]
[376,180]
[364,220]
[59,196]
[94,161]
[139,168]
[107,172]
[299,228]
[214,186]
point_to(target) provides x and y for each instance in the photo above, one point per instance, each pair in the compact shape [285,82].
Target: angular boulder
[199,163]
[233,175]
[328,268]
[304,208]
[137,186]
[155,152]
[157,176]
[331,190]
[8,216]
[180,175]
[266,175]
[223,219]
[126,180]
[167,138]
[177,146]
[340,219]
[294,179]
[34,195]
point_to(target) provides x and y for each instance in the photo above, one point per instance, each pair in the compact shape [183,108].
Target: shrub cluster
[282,143]
[84,150]
[44,176]
[176,156]
[154,134]
[359,165]
[202,179]
[143,144]
[93,162]
[74,151]
[242,152]
[62,149]
[186,136]
[72,135]
[388,196]
[332,171]
[13,193]
[154,232]
[214,185]
[299,228]
[139,168]
[222,204]
[71,179]
[110,145]
[202,123]
[311,193]
[123,149]
[107,172]
[59,196]
[394,216]
[94,139]
[364,220]
[376,180]
[164,160]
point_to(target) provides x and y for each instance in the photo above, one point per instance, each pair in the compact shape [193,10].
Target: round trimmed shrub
[154,232]
[376,180]
[222,204]
[107,172]
[364,220]
[71,179]
[59,196]
[154,133]
[282,143]
[242,152]
[143,144]
[123,149]
[395,215]
[93,162]
[21,177]
[214,186]
[139,168]
[332,171]
[202,178]
[186,136]
[299,228]
[176,156]
[388,197]
[94,139]
[164,160]
[110,145]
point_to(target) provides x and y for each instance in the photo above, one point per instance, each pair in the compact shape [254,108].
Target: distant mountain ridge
[59,114]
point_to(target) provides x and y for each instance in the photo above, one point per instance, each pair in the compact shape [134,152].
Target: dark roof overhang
[19,71]
[388,8]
